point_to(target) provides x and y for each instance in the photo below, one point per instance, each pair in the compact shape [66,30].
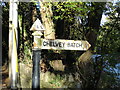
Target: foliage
[25,35]
[108,45]
[109,34]
[110,74]
[72,21]
[5,27]
[68,14]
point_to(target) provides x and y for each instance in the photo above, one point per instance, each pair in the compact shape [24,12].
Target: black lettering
[45,43]
[51,43]
[78,45]
[72,44]
[56,44]
[63,44]
[60,44]
[68,44]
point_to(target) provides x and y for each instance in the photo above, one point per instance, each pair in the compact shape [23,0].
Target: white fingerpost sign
[59,44]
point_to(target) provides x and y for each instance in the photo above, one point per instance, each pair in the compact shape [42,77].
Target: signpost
[37,29]
[56,44]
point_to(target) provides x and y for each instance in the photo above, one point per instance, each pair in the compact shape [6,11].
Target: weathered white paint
[37,26]
[59,44]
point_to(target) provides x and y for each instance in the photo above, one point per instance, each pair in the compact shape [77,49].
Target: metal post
[36,69]
[37,29]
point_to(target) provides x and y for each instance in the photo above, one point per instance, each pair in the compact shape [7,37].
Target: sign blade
[59,44]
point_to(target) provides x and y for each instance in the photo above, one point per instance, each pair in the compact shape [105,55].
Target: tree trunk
[94,18]
[34,14]
[46,15]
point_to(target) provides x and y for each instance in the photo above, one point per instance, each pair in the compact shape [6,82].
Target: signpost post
[37,29]
[56,44]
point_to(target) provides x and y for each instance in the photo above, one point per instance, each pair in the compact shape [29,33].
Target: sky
[104,18]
